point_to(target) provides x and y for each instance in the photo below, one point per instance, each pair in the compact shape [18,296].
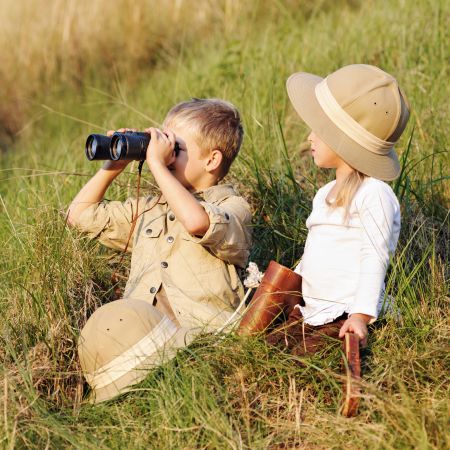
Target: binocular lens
[91,148]
[118,147]
[97,147]
[131,146]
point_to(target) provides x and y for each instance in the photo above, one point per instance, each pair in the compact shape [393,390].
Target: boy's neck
[204,184]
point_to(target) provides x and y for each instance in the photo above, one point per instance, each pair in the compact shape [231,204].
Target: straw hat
[121,342]
[359,111]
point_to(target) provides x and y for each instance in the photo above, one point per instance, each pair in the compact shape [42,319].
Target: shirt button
[152,290]
[164,265]
[148,231]
[171,216]
[170,239]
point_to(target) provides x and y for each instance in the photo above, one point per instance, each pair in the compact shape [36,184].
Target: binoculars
[128,146]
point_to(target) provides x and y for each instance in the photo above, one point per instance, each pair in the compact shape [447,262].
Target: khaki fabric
[122,341]
[363,107]
[198,275]
[162,304]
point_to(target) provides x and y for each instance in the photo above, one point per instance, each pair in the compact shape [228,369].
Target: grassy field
[77,75]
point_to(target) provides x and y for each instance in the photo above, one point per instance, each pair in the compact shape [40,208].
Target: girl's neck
[342,172]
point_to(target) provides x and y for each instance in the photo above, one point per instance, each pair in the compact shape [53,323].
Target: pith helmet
[359,111]
[121,342]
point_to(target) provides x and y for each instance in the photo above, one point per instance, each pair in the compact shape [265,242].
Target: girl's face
[322,154]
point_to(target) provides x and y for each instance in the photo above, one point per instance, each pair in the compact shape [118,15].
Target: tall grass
[228,393]
[52,45]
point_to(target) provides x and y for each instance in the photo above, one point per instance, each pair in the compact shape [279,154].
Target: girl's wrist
[364,317]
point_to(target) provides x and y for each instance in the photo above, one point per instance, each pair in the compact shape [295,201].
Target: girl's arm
[380,219]
[356,323]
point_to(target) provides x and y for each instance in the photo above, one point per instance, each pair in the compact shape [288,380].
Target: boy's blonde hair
[216,124]
[348,190]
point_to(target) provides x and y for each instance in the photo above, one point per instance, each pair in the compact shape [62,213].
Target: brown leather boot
[279,291]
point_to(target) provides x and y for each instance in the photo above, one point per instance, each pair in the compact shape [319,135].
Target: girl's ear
[214,160]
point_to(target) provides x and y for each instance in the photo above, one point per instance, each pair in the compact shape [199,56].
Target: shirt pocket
[200,259]
[147,236]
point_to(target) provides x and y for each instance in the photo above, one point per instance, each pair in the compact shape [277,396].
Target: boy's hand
[94,190]
[356,323]
[161,147]
[121,164]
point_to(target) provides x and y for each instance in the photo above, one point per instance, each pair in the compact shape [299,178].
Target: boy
[187,241]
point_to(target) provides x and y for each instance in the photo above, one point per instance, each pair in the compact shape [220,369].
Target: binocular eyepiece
[128,146]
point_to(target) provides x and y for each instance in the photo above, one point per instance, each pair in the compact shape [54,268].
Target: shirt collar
[215,193]
[210,195]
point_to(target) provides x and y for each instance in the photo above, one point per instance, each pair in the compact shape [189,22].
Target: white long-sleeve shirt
[344,263]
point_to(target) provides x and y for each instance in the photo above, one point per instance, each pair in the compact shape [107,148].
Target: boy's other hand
[356,323]
[161,147]
[120,130]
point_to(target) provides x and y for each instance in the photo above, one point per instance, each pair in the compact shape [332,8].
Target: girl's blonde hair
[347,191]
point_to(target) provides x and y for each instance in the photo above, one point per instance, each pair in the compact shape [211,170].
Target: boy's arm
[184,205]
[94,190]
[229,234]
[224,229]
[109,222]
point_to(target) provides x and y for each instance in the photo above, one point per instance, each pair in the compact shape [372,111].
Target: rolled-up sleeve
[380,219]
[110,222]
[228,236]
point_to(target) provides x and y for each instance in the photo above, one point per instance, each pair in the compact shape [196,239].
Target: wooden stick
[352,372]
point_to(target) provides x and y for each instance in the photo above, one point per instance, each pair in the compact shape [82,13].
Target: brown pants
[302,339]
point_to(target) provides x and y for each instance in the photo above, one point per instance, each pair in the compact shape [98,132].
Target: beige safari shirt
[191,279]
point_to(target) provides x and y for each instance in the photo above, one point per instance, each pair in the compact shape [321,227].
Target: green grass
[232,393]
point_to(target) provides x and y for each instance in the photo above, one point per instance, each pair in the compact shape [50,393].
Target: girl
[356,115]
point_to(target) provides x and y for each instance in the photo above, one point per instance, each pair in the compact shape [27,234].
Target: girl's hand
[161,147]
[356,323]
[121,164]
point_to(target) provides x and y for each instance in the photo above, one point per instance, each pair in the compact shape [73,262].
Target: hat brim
[301,90]
[124,384]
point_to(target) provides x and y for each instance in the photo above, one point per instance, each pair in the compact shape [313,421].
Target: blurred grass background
[72,68]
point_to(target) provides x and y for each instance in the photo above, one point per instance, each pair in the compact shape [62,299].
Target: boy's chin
[181,180]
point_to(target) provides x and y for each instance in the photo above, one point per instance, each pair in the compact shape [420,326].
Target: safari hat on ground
[121,342]
[359,111]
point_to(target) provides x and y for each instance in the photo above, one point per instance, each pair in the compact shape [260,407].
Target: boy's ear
[214,160]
